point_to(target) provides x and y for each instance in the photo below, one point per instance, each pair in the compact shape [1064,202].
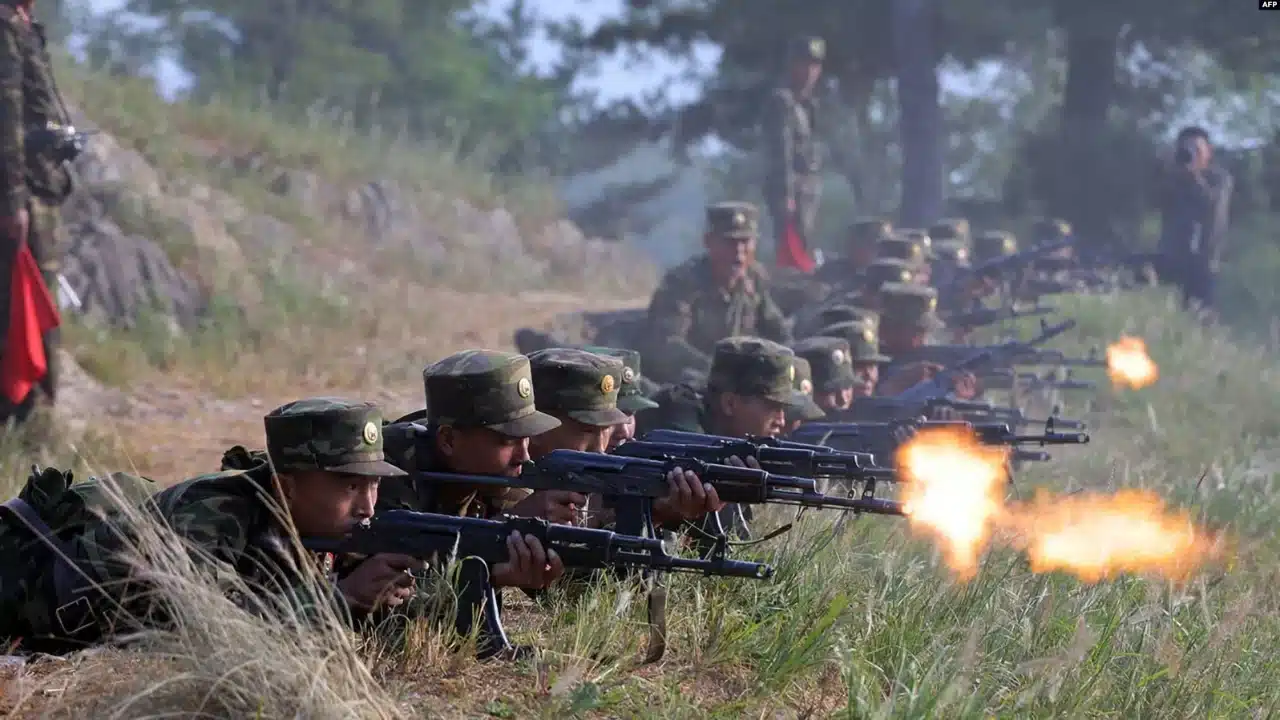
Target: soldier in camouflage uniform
[632,397]
[804,385]
[793,182]
[951,230]
[846,271]
[865,357]
[33,182]
[321,471]
[481,412]
[885,271]
[909,322]
[837,380]
[720,294]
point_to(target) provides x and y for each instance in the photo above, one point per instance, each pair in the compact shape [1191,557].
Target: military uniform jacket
[230,521]
[789,136]
[416,453]
[28,100]
[689,314]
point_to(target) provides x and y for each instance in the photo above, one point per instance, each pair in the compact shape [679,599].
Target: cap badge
[806,387]
[837,357]
[606,384]
[628,375]
[524,387]
[371,433]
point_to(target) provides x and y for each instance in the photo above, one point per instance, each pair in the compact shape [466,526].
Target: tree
[428,66]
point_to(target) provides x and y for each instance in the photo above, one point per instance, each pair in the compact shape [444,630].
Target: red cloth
[32,313]
[792,252]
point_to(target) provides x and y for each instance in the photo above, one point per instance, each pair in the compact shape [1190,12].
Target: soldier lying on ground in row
[319,477]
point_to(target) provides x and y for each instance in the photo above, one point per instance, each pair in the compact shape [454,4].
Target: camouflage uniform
[469,389]
[751,367]
[633,396]
[232,517]
[793,166]
[690,312]
[579,385]
[836,313]
[29,178]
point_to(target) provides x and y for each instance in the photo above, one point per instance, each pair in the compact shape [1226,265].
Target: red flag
[32,313]
[792,252]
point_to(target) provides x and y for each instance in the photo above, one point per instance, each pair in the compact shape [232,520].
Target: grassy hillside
[866,624]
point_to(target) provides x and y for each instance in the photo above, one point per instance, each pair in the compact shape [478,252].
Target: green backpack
[36,560]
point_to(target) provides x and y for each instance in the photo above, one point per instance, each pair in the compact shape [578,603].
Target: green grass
[869,624]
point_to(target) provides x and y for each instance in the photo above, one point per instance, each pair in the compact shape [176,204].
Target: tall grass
[865,624]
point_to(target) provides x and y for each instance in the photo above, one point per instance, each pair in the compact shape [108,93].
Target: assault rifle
[635,482]
[1007,379]
[479,544]
[979,317]
[886,437]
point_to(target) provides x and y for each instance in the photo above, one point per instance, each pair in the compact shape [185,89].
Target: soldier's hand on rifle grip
[382,579]
[16,227]
[528,564]
[557,506]
[689,498]
[750,462]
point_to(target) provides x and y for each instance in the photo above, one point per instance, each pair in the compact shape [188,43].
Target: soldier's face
[328,504]
[730,256]
[749,415]
[571,435]
[834,400]
[623,433]
[481,451]
[868,374]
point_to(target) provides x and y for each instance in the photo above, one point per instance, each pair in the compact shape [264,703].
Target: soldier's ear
[726,403]
[445,440]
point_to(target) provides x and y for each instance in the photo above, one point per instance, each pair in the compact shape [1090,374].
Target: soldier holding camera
[1194,206]
[36,143]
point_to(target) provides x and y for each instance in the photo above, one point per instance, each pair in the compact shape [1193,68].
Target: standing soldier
[32,164]
[792,167]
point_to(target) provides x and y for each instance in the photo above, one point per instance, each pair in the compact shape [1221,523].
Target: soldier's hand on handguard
[557,506]
[689,498]
[909,376]
[965,386]
[750,462]
[382,579]
[528,566]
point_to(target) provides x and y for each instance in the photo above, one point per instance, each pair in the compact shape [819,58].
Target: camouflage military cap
[831,359]
[848,313]
[330,434]
[733,219]
[867,231]
[1050,229]
[952,252]
[631,397]
[910,305]
[950,229]
[920,239]
[994,244]
[885,271]
[804,386]
[755,367]
[485,388]
[900,248]
[807,48]
[578,384]
[863,340]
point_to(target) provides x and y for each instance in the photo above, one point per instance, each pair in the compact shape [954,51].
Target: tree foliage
[428,66]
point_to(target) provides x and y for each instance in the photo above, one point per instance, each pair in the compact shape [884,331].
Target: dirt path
[170,427]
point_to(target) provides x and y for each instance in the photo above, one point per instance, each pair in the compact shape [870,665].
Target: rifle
[983,316]
[887,436]
[63,143]
[914,401]
[480,544]
[635,482]
[1061,359]
[1007,379]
